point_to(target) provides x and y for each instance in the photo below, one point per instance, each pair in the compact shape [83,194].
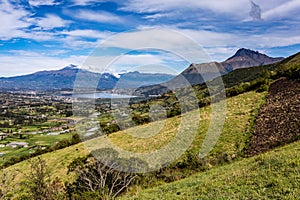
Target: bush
[39,184]
[105,179]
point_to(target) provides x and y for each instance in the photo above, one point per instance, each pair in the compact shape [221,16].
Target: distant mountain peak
[244,57]
[244,51]
[241,59]
[247,53]
[71,66]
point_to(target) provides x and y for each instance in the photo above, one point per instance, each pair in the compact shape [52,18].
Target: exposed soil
[278,122]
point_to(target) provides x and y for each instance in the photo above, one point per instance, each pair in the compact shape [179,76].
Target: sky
[40,35]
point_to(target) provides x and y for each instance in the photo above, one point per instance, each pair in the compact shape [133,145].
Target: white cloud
[86,33]
[221,53]
[225,6]
[144,62]
[288,9]
[18,20]
[37,3]
[96,16]
[263,40]
[219,45]
[165,39]
[158,63]
[13,20]
[137,60]
[239,9]
[86,2]
[24,53]
[39,36]
[156,16]
[33,62]
[52,21]
[37,54]
[76,39]
[210,38]
[189,43]
[222,45]
[75,43]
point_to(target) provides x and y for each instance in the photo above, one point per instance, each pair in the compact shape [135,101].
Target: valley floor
[272,175]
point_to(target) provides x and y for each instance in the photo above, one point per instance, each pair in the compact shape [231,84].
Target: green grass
[240,110]
[32,140]
[49,139]
[29,128]
[57,163]
[273,175]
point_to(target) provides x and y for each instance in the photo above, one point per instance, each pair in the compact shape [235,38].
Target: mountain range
[243,58]
[200,73]
[64,79]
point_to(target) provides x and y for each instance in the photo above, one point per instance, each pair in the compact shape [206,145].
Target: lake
[98,95]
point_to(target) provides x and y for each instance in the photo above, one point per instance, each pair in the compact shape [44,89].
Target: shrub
[39,184]
[105,179]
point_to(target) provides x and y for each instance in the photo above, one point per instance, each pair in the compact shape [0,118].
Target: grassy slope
[273,175]
[238,116]
[240,113]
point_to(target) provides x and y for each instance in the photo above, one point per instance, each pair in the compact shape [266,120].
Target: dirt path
[278,122]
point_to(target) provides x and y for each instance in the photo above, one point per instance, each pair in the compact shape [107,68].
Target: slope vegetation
[274,175]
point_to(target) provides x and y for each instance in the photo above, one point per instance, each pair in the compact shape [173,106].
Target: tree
[5,188]
[39,183]
[105,179]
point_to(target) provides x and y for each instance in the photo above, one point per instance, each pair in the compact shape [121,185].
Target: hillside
[274,175]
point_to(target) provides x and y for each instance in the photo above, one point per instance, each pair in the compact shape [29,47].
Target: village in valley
[31,122]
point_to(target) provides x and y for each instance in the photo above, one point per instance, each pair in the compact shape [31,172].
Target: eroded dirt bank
[278,122]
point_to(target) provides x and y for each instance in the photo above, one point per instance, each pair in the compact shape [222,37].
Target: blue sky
[50,34]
